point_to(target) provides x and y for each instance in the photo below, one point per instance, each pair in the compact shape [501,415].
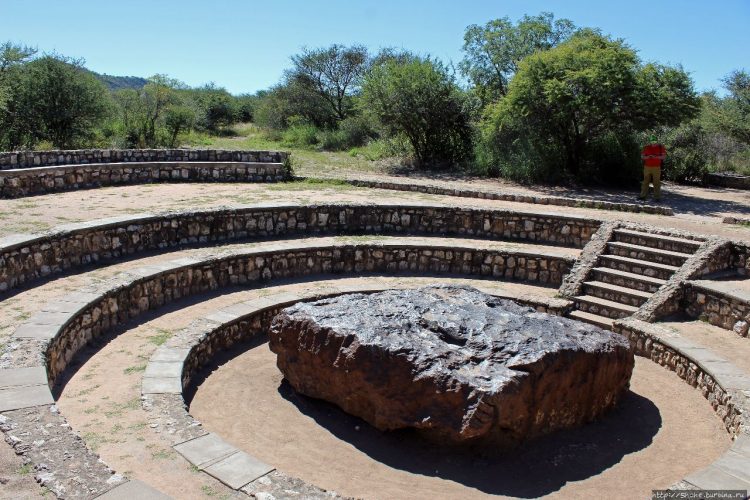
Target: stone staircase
[634,265]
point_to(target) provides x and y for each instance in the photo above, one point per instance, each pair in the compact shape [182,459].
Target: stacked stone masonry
[24,258]
[84,316]
[505,196]
[30,159]
[719,308]
[35,173]
[135,295]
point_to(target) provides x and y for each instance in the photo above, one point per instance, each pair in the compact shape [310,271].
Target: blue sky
[245,45]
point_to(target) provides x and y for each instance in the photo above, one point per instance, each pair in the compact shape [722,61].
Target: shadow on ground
[541,467]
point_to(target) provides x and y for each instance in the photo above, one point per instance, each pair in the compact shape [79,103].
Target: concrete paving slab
[15,398]
[713,478]
[239,310]
[60,306]
[15,377]
[285,298]
[238,469]
[220,317]
[50,318]
[34,331]
[723,368]
[159,369]
[257,305]
[78,297]
[735,464]
[739,382]
[132,490]
[165,385]
[170,354]
[205,450]
[741,445]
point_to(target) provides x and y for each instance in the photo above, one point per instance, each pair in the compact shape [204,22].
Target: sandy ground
[16,480]
[663,430]
[40,213]
[109,415]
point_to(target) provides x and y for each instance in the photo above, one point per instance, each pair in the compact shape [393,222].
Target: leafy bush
[397,146]
[300,135]
[352,132]
[687,153]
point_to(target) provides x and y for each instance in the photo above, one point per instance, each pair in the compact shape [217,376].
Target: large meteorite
[451,361]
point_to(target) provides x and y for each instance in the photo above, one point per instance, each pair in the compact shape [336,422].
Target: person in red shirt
[653,156]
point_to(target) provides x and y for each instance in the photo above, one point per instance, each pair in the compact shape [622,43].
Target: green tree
[217,108]
[493,52]
[12,123]
[590,90]
[245,106]
[61,101]
[293,100]
[142,111]
[177,119]
[731,114]
[333,73]
[420,99]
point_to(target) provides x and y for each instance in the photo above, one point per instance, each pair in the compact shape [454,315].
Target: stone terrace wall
[23,258]
[718,308]
[132,295]
[26,159]
[654,342]
[16,183]
[729,179]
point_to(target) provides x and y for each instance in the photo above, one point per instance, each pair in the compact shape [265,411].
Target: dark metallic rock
[452,361]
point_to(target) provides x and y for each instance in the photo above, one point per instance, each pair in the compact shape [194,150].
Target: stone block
[205,450]
[238,469]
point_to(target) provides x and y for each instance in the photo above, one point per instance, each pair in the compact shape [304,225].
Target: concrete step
[593,319]
[647,253]
[615,293]
[603,307]
[626,279]
[670,243]
[637,266]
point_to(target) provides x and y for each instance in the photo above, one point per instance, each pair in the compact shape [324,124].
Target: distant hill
[121,82]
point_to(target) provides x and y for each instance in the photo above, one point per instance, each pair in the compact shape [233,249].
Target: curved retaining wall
[29,159]
[161,284]
[29,173]
[171,369]
[727,309]
[505,196]
[26,257]
[43,180]
[173,366]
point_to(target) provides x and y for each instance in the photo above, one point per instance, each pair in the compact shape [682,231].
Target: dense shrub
[300,134]
[352,132]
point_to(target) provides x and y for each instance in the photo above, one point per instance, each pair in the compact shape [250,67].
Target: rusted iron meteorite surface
[452,361]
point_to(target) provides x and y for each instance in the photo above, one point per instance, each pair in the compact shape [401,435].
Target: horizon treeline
[540,100]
